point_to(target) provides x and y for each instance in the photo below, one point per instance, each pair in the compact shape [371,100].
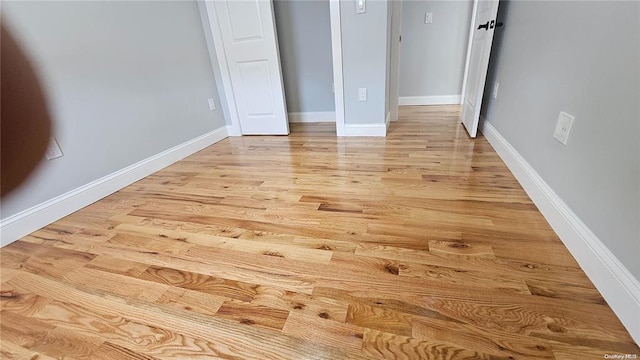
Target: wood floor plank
[108,351]
[460,248]
[136,336]
[470,337]
[14,301]
[200,336]
[191,300]
[47,339]
[420,245]
[117,266]
[465,276]
[201,283]
[260,247]
[11,350]
[379,318]
[391,346]
[151,224]
[252,314]
[109,283]
[310,306]
[170,246]
[558,289]
[326,332]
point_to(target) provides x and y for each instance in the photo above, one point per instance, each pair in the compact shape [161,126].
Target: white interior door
[483,27]
[248,33]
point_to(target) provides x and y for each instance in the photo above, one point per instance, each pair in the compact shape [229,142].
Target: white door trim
[229,98]
[336,53]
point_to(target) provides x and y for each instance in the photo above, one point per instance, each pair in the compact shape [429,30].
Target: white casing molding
[312,117]
[430,100]
[25,222]
[617,285]
[336,54]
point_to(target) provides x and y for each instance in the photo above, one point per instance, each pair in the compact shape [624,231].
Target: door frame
[213,27]
[336,54]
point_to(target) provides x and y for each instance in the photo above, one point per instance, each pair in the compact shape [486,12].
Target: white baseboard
[36,217]
[365,129]
[617,285]
[429,100]
[387,121]
[312,117]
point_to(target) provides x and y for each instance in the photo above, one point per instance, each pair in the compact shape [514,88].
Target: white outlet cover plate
[563,127]
[428,17]
[362,94]
[53,150]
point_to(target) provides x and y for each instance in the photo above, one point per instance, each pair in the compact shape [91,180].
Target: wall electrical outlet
[212,104]
[563,126]
[53,150]
[495,90]
[428,17]
[362,94]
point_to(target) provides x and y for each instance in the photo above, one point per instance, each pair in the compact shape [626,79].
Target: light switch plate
[361,6]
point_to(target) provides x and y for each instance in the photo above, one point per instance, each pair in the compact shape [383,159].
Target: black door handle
[490,25]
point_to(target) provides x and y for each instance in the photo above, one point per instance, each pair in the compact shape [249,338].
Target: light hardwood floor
[418,246]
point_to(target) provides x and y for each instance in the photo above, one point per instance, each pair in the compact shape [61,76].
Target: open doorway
[435,38]
[305,47]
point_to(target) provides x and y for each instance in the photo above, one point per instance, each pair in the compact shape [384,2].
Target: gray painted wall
[304,38]
[593,73]
[125,81]
[364,56]
[433,56]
